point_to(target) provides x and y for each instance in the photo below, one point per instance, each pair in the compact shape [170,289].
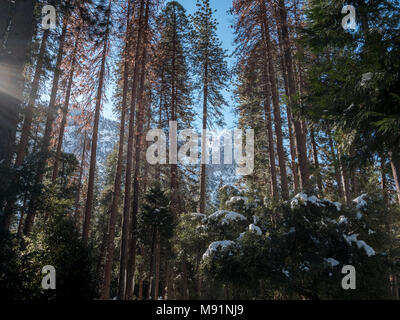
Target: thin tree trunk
[345,181]
[103,250]
[157,271]
[276,107]
[136,171]
[199,282]
[105,294]
[271,147]
[185,281]
[166,295]
[336,165]
[173,165]
[316,161]
[92,169]
[21,218]
[394,162]
[152,263]
[299,135]
[129,158]
[140,295]
[294,165]
[78,195]
[65,109]
[384,179]
[26,128]
[353,175]
[203,173]
[44,150]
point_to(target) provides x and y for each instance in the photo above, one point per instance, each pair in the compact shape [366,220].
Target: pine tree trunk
[173,165]
[152,262]
[276,107]
[65,109]
[78,195]
[185,281]
[299,134]
[203,166]
[26,128]
[166,295]
[294,165]
[157,271]
[316,161]
[336,165]
[93,153]
[271,146]
[129,158]
[21,218]
[199,284]
[51,111]
[383,179]
[103,250]
[394,162]
[345,181]
[138,150]
[105,294]
[140,295]
[353,175]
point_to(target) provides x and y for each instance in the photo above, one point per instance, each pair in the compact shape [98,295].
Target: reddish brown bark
[152,264]
[140,295]
[65,109]
[275,103]
[129,159]
[105,294]
[299,134]
[394,162]
[173,166]
[157,271]
[138,150]
[82,167]
[294,165]
[270,138]
[203,167]
[44,150]
[93,153]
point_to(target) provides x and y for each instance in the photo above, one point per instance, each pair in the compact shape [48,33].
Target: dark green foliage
[59,245]
[207,51]
[155,216]
[293,257]
[353,78]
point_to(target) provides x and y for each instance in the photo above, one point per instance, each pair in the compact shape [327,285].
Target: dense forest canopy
[147,205]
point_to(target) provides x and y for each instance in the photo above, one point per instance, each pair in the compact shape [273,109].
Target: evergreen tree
[173,53]
[211,67]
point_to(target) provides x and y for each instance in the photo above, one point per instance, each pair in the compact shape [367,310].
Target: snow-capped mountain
[107,139]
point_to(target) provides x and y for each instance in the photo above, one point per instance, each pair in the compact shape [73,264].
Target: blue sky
[225,34]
